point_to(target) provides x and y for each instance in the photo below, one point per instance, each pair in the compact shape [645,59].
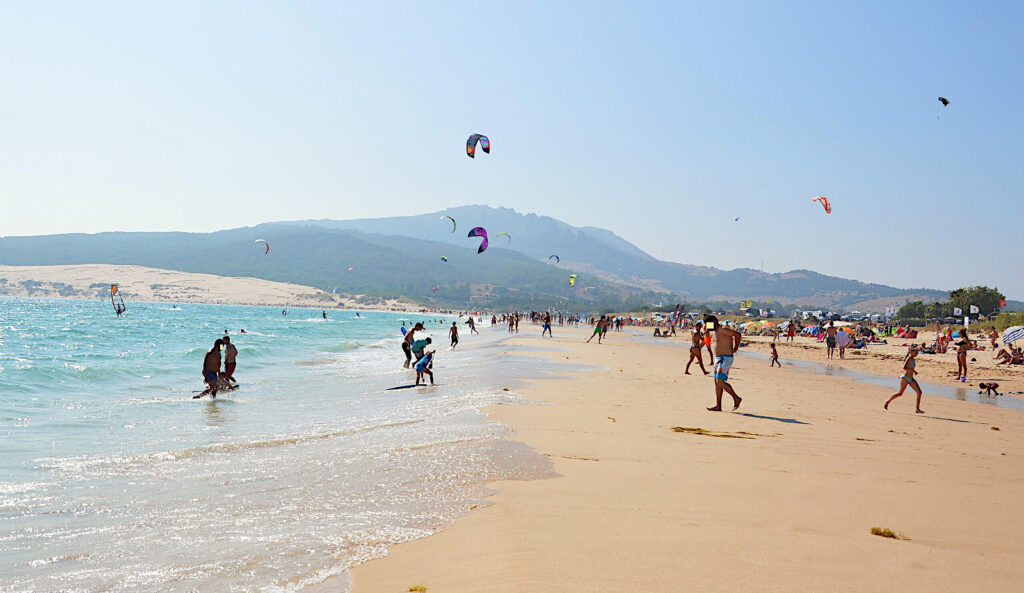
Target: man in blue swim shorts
[725,343]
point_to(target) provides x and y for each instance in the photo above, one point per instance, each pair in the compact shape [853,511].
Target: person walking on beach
[791,332]
[211,370]
[230,353]
[547,326]
[775,357]
[726,343]
[472,325]
[453,333]
[697,339]
[830,339]
[907,378]
[598,330]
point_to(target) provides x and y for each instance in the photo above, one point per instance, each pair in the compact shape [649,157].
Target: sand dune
[89,281]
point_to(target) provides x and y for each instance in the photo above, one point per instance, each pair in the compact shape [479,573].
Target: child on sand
[988,388]
[775,357]
[907,378]
[423,367]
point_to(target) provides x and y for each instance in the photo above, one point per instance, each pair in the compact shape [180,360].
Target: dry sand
[88,281]
[787,507]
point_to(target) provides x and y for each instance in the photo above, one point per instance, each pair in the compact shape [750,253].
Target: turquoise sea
[112,478]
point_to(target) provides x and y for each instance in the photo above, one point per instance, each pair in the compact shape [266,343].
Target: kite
[507,236]
[555,257]
[944,101]
[350,269]
[824,202]
[737,219]
[444,258]
[264,241]
[435,289]
[451,219]
[481,232]
[485,144]
[572,279]
[116,300]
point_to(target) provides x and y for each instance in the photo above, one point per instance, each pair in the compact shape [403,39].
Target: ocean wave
[81,465]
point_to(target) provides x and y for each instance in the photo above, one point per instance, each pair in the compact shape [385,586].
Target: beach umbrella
[1012,334]
[767,324]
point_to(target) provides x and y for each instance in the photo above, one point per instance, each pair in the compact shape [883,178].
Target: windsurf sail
[116,300]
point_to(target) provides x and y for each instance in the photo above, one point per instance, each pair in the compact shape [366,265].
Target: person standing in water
[907,378]
[453,333]
[230,353]
[726,343]
[325,313]
[472,325]
[697,338]
[211,369]
[407,342]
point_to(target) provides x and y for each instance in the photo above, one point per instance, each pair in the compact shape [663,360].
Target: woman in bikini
[698,342]
[907,378]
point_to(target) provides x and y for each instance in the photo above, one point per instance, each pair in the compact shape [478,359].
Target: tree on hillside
[914,310]
[987,299]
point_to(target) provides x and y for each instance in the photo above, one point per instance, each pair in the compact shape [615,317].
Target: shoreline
[641,507]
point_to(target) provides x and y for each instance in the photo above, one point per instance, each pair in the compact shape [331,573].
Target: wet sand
[779,496]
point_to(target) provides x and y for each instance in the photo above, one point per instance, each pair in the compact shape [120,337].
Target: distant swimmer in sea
[453,333]
[358,315]
[230,353]
[325,314]
[211,370]
[726,342]
[423,366]
[907,378]
[284,311]
[241,331]
[697,337]
[775,357]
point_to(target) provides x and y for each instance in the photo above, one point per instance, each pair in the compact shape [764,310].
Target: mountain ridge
[403,255]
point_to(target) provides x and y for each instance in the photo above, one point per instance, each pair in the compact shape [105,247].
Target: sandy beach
[657,494]
[89,281]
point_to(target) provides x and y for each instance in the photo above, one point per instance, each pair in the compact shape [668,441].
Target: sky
[662,122]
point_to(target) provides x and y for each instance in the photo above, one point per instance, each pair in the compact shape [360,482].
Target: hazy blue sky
[660,121]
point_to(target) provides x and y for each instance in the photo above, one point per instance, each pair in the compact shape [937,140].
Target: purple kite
[482,233]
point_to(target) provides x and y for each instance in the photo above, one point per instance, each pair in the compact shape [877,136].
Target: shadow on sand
[785,420]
